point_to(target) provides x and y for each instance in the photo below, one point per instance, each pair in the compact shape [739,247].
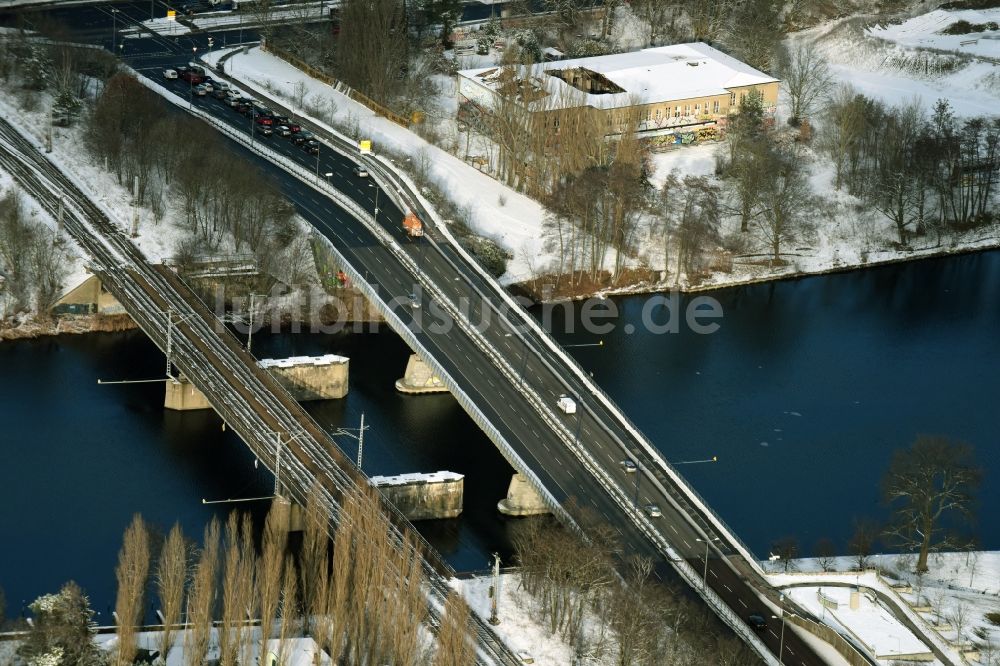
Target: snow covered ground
[900,63]
[949,603]
[228,20]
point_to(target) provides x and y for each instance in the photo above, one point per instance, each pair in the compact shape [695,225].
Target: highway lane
[541,447]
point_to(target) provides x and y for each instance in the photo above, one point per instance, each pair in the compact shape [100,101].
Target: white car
[221,85]
[360,171]
[653,511]
[170,74]
[201,90]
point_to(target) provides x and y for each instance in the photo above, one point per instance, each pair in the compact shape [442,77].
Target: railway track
[248,399]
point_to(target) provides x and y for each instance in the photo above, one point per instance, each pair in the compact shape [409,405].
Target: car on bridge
[302,137]
[283,130]
[170,74]
[566,404]
[629,466]
[652,511]
[311,147]
[757,621]
[360,171]
[264,130]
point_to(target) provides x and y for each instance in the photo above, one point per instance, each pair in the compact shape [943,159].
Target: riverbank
[543,288]
[31,327]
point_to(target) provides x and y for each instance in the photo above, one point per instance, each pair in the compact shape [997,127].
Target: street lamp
[707,542]
[781,641]
[114,29]
[376,200]
[599,343]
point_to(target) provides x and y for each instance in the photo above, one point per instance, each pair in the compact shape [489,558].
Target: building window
[677,112]
[697,109]
[649,114]
[658,113]
[687,109]
[732,99]
[716,107]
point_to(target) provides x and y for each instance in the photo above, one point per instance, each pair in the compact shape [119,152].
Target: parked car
[301,137]
[360,171]
[653,511]
[170,74]
[311,147]
[282,130]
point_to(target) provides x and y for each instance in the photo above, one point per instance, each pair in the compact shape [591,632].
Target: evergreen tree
[63,630]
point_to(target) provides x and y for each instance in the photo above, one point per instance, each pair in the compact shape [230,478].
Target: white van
[567,404]
[170,74]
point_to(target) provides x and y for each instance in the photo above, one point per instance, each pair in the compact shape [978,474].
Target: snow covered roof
[649,76]
[326,359]
[416,478]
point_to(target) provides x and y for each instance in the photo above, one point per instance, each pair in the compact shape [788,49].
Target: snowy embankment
[947,605]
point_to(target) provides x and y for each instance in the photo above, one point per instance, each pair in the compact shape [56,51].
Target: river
[803,394]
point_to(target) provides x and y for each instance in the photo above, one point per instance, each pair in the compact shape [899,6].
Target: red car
[265,120]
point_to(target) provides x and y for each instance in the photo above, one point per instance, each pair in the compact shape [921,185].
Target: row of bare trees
[31,258]
[161,155]
[922,173]
[614,611]
[361,597]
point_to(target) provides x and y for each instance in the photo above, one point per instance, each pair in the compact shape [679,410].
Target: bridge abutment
[287,514]
[424,496]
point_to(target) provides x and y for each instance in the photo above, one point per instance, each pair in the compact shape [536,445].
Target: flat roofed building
[667,88]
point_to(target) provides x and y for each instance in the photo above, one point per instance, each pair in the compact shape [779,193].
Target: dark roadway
[498,395]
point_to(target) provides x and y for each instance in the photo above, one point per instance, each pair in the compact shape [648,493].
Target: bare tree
[201,598]
[787,548]
[959,620]
[862,541]
[132,571]
[826,553]
[171,576]
[269,572]
[291,611]
[454,642]
[659,15]
[806,77]
[372,51]
[932,481]
[783,196]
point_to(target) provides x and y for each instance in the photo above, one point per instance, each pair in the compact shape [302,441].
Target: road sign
[171,14]
[365,146]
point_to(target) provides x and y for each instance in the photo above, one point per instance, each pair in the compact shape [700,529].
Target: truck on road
[412,225]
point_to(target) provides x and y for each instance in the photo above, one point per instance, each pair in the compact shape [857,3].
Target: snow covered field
[949,603]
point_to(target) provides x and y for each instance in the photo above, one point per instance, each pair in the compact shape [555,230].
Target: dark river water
[803,394]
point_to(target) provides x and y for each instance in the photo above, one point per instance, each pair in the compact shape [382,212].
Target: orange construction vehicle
[412,225]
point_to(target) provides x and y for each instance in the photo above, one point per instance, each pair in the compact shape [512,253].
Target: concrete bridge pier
[181,395]
[522,499]
[287,514]
[419,378]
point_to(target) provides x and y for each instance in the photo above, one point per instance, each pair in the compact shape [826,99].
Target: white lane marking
[742,602]
[727,587]
[713,573]
[686,543]
[674,529]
